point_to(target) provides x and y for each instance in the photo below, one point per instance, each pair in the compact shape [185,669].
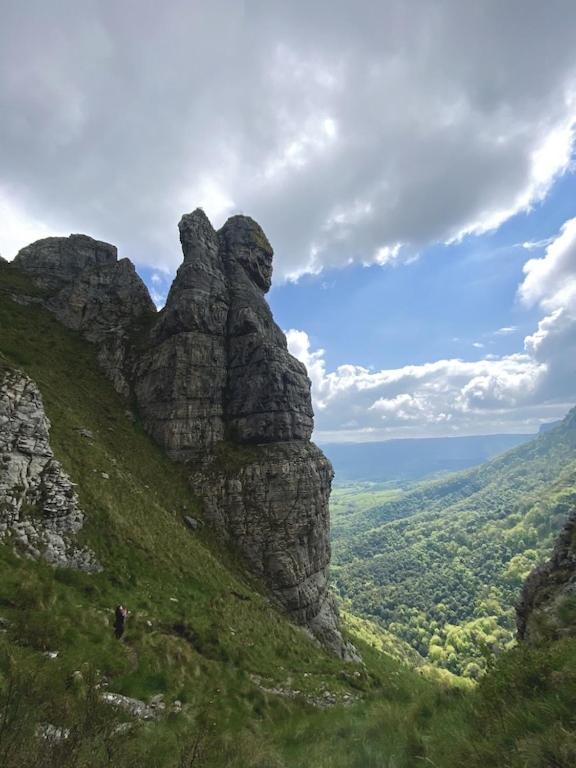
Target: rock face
[217,373]
[268,391]
[218,366]
[216,387]
[38,504]
[180,380]
[547,608]
[89,290]
[272,504]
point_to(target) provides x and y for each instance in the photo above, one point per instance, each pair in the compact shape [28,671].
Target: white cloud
[17,229]
[509,393]
[351,136]
[550,281]
[444,397]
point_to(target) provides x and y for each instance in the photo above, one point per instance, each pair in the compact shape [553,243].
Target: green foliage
[199,626]
[441,565]
[200,629]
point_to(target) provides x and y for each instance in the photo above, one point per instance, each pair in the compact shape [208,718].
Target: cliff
[39,508]
[547,607]
[216,387]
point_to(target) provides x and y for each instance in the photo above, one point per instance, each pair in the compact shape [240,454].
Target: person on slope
[120,615]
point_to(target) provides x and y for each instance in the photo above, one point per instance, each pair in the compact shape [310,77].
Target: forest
[441,565]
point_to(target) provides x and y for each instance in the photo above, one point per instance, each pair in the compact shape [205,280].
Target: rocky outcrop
[547,608]
[39,507]
[180,379]
[268,391]
[216,387]
[271,502]
[218,366]
[89,290]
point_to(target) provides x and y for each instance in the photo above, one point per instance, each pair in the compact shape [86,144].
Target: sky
[412,164]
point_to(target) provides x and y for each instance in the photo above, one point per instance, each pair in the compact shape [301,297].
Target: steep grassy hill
[442,564]
[200,627]
[201,633]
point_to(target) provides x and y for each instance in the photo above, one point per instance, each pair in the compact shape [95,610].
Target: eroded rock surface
[271,503]
[180,379]
[547,608]
[89,290]
[39,507]
[218,366]
[212,375]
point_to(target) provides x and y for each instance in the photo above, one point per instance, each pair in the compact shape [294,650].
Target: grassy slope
[168,577]
[401,719]
[442,564]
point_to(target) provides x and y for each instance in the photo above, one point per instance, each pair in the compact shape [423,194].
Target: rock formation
[89,290]
[218,366]
[547,608]
[216,387]
[38,504]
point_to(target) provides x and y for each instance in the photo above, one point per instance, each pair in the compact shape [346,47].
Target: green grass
[441,566]
[200,628]
[350,502]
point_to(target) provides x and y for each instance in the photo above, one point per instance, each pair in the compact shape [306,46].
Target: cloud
[506,330]
[550,283]
[352,134]
[509,393]
[439,398]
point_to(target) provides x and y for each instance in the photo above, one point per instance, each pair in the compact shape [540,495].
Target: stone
[218,366]
[39,507]
[181,379]
[133,707]
[216,387]
[90,291]
[547,606]
[56,262]
[268,390]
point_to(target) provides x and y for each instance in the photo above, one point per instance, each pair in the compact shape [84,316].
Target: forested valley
[440,565]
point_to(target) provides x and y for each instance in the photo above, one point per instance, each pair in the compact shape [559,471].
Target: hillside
[200,625]
[400,461]
[240,685]
[442,564]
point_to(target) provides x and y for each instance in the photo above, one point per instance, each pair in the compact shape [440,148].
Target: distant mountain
[547,426]
[415,458]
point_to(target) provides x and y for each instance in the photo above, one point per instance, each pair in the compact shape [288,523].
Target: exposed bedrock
[216,387]
[218,366]
[547,607]
[89,290]
[271,502]
[180,379]
[39,509]
[268,391]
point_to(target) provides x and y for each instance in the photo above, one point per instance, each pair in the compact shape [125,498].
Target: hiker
[120,615]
